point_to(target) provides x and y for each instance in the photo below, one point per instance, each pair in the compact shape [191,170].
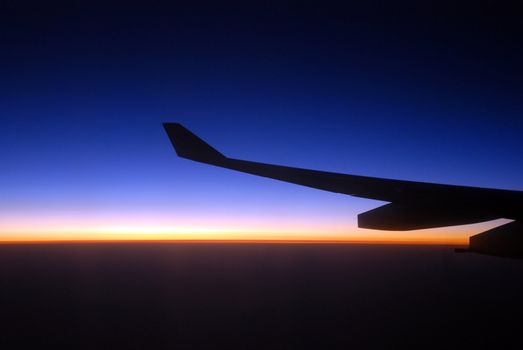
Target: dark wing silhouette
[413,205]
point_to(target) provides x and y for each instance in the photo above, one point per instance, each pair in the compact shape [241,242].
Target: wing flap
[505,240]
[397,217]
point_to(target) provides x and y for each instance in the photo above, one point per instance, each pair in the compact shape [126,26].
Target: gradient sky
[426,92]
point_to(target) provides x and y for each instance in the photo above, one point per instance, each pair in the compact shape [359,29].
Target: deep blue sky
[427,92]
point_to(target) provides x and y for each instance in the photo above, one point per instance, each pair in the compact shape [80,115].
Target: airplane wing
[413,205]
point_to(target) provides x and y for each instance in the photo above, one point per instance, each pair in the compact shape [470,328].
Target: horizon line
[223,241]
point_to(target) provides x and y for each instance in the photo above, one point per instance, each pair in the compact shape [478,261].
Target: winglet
[188,145]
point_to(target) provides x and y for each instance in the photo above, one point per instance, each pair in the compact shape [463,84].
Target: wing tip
[187,145]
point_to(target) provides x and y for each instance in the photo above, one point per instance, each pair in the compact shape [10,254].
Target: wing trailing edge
[398,217]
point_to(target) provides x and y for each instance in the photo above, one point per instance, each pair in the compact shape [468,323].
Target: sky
[426,91]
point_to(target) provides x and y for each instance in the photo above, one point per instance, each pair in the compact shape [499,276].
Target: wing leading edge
[413,205]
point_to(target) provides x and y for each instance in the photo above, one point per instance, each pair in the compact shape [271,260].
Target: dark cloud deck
[256,296]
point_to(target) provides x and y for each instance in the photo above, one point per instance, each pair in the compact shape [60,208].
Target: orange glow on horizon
[199,241]
[124,229]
